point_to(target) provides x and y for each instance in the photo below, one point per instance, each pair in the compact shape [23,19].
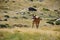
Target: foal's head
[34,16]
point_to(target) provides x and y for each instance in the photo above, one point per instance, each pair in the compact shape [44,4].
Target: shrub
[1,20]
[6,16]
[56,10]
[45,9]
[13,1]
[28,12]
[15,17]
[31,0]
[24,17]
[18,25]
[6,8]
[58,22]
[41,0]
[51,22]
[5,26]
[25,25]
[34,6]
[5,11]
[6,1]
[5,19]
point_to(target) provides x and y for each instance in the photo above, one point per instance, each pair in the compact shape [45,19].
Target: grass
[28,34]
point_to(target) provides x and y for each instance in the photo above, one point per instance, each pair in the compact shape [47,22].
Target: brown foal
[36,21]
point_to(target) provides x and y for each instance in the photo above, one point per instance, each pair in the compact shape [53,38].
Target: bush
[6,1]
[15,17]
[7,25]
[58,22]
[31,0]
[6,16]
[4,25]
[28,12]
[51,22]
[5,19]
[1,20]
[41,0]
[34,6]
[5,12]
[13,1]
[24,17]
[18,25]
[25,25]
[45,9]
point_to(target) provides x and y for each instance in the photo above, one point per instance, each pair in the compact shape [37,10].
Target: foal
[36,21]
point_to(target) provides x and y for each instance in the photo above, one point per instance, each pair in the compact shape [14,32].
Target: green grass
[27,36]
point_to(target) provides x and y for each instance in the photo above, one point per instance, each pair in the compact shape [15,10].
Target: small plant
[13,1]
[58,22]
[25,25]
[24,17]
[6,16]
[5,26]
[45,9]
[1,20]
[41,0]
[6,1]
[51,22]
[34,6]
[5,11]
[18,25]
[31,0]
[15,17]
[28,12]
[5,20]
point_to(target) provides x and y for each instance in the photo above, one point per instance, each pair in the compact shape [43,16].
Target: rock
[32,9]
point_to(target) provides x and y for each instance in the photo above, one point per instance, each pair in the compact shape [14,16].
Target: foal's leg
[37,25]
[32,24]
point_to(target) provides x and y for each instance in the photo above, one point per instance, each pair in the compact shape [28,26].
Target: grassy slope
[19,5]
[48,32]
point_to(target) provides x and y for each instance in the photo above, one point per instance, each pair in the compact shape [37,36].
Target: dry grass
[29,33]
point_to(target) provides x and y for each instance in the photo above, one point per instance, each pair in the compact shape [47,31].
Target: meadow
[16,20]
[44,32]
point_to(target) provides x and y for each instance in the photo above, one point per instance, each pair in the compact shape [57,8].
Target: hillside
[19,9]
[16,19]
[20,4]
